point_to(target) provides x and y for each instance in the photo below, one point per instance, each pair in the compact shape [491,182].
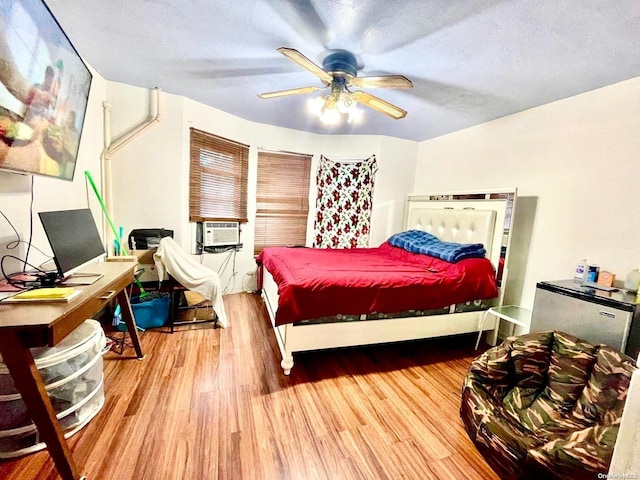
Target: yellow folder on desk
[54,294]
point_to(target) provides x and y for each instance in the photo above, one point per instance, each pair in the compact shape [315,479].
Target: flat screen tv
[74,239]
[44,88]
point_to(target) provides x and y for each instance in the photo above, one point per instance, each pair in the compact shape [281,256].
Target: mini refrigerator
[594,315]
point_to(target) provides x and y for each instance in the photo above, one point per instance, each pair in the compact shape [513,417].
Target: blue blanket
[417,241]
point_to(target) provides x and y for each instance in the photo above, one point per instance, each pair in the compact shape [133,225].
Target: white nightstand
[511,313]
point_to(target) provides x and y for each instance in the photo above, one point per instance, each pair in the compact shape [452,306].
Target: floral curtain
[343,205]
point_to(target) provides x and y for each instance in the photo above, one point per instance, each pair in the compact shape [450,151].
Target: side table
[513,314]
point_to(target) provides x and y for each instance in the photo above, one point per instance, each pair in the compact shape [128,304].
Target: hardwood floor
[210,404]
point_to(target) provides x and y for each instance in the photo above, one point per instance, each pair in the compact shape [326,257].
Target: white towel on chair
[171,259]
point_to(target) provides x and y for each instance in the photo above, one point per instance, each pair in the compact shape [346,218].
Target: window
[282,199]
[217,178]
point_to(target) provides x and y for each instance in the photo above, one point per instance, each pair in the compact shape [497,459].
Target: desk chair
[177,292]
[179,271]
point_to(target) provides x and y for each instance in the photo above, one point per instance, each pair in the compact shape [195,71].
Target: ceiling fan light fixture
[340,71]
[331,107]
[330,116]
[345,102]
[315,105]
[355,115]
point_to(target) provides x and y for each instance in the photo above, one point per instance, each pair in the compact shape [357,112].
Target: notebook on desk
[39,295]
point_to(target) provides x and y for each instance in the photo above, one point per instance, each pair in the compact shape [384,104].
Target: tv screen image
[44,89]
[73,237]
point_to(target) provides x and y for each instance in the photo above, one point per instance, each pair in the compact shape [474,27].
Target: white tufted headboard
[460,226]
[476,220]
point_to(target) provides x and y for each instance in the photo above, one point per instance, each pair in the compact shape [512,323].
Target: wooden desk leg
[28,381]
[129,319]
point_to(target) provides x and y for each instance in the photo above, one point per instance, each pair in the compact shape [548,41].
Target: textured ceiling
[470,61]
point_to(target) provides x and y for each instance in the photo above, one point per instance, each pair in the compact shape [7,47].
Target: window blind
[282,199]
[217,178]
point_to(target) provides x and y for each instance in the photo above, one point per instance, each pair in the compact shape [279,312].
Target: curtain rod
[371,157]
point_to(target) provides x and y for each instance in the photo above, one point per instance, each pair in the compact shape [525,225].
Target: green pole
[123,249]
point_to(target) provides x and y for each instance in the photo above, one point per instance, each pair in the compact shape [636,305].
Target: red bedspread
[322,282]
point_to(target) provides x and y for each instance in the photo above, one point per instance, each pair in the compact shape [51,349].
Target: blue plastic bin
[151,314]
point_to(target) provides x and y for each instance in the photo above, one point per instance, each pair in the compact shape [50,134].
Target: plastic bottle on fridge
[580,274]
[633,280]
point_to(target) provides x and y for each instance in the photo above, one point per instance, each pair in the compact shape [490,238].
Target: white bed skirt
[300,338]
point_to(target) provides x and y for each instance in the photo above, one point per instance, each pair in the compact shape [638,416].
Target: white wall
[147,172]
[51,193]
[151,174]
[576,165]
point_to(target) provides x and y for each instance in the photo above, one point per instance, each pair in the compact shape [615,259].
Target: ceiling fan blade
[385,81]
[305,63]
[291,91]
[380,105]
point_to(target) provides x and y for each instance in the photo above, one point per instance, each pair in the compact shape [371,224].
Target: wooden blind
[217,178]
[282,199]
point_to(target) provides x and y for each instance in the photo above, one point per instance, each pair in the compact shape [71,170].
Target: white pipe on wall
[111,148]
[106,168]
[125,139]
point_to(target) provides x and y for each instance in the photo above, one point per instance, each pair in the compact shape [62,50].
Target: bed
[323,316]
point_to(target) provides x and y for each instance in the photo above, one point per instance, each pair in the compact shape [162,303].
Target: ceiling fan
[339,71]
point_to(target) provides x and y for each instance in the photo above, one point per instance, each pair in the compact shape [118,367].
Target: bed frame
[467,217]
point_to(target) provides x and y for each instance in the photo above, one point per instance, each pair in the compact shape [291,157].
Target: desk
[511,313]
[25,326]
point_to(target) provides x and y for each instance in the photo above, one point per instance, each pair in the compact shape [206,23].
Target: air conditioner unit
[215,234]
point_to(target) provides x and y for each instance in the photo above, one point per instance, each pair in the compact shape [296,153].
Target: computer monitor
[74,239]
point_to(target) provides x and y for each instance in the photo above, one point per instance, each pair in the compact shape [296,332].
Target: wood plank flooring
[209,404]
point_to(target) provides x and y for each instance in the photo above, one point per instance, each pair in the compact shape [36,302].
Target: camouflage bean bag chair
[546,405]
